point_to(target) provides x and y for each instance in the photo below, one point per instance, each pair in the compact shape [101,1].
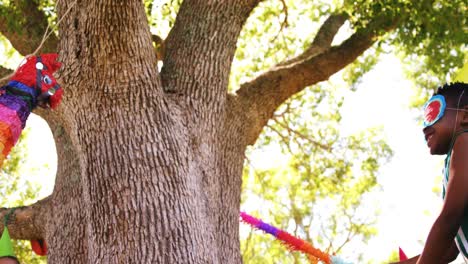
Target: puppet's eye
[39,66]
[47,80]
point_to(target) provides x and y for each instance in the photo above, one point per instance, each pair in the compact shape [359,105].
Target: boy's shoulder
[459,153]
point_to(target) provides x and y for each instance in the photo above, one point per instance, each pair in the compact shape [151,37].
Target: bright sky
[42,156]
[408,203]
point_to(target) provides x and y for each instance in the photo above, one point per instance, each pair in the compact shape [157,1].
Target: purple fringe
[19,106]
[268,228]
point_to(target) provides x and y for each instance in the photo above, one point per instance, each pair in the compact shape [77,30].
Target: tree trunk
[144,176]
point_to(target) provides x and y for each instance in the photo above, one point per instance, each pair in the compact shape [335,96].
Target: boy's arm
[450,256]
[445,228]
[452,253]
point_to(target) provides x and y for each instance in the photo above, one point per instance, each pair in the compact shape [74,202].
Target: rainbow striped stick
[291,242]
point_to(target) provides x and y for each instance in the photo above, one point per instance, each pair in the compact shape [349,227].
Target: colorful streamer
[39,246]
[402,254]
[291,242]
[32,85]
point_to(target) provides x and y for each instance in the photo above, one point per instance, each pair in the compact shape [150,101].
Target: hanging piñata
[31,85]
[291,242]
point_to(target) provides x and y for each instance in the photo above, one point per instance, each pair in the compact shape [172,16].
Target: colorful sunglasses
[434,110]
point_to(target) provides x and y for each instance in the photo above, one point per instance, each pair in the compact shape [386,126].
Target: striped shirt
[462,234]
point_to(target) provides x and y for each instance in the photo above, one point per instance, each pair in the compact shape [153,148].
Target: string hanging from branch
[291,242]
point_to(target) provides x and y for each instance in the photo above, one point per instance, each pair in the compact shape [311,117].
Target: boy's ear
[464,120]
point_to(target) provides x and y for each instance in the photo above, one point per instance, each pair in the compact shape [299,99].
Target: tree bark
[66,232]
[4,75]
[146,176]
[27,222]
[4,71]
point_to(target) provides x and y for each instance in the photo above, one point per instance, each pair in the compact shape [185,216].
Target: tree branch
[204,34]
[3,73]
[263,95]
[323,39]
[159,47]
[285,21]
[24,25]
[294,134]
[26,222]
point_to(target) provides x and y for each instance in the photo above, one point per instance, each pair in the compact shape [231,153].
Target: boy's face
[439,135]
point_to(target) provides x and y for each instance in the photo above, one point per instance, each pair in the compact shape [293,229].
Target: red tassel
[402,254]
[39,247]
[55,99]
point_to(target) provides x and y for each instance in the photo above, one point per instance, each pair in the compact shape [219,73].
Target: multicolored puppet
[31,85]
[291,242]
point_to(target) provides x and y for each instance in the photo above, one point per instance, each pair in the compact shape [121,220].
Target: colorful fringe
[39,247]
[291,242]
[13,115]
[402,254]
[31,85]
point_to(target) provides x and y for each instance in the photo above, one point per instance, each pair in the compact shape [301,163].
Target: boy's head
[8,260]
[445,114]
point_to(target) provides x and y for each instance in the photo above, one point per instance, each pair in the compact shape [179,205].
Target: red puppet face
[37,72]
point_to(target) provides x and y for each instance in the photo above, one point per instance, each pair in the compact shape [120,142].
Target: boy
[446,133]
